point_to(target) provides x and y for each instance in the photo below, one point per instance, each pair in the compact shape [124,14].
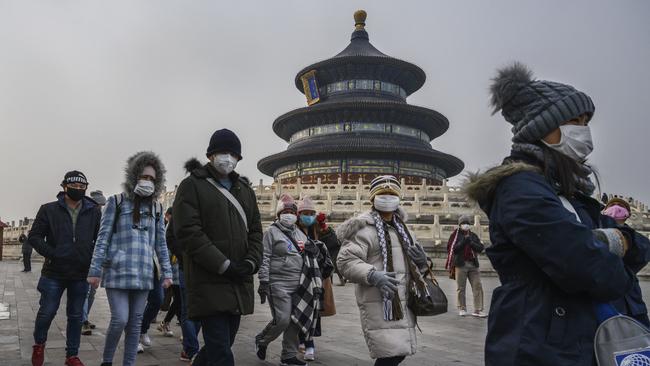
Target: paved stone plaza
[446,339]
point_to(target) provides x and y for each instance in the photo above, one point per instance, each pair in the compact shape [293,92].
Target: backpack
[622,341]
[157,210]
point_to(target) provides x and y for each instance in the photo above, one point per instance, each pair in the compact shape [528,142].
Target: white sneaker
[140,348]
[479,314]
[462,312]
[145,340]
[165,330]
[310,354]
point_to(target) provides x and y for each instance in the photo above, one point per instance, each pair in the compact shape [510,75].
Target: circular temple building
[357,124]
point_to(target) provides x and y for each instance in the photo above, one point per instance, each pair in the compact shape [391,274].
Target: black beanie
[74,176]
[226,141]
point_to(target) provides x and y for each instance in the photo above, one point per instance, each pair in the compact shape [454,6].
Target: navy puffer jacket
[551,268]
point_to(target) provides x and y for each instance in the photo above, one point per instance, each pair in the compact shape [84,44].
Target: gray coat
[281,262]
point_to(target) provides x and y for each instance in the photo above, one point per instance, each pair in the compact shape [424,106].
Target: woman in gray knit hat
[561,263]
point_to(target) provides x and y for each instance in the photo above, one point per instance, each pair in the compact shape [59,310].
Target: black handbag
[432,301]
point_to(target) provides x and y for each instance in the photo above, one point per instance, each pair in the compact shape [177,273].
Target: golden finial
[360,19]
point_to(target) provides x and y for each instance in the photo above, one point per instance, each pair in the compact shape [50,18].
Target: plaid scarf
[306,299]
[392,307]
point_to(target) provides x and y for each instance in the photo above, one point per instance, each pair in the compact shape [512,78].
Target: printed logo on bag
[637,357]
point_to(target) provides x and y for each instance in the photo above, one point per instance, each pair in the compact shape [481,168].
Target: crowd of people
[562,258]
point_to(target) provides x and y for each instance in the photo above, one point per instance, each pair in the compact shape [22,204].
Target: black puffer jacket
[67,254]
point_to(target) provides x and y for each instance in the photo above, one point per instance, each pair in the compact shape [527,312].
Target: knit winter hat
[464,219]
[306,204]
[535,107]
[286,202]
[224,140]
[74,176]
[385,184]
[98,196]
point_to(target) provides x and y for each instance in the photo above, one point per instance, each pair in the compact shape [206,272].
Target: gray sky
[84,84]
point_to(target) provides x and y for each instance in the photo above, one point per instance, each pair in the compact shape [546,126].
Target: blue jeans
[154,302]
[219,333]
[90,299]
[51,291]
[127,307]
[189,328]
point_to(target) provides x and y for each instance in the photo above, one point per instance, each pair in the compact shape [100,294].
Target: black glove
[263,290]
[238,270]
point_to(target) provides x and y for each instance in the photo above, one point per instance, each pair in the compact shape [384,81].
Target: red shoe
[38,354]
[73,361]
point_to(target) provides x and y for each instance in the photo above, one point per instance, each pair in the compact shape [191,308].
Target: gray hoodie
[281,261]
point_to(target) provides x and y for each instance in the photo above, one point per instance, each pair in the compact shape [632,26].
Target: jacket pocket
[118,259]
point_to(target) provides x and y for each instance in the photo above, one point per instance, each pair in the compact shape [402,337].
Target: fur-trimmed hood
[480,187]
[351,226]
[134,167]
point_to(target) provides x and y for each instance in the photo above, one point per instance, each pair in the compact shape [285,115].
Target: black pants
[27,261]
[219,333]
[175,307]
[389,361]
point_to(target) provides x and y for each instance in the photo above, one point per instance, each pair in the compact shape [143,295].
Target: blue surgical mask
[307,220]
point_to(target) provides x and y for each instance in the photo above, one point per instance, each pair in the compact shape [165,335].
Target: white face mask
[575,142]
[386,202]
[144,188]
[464,227]
[224,163]
[288,220]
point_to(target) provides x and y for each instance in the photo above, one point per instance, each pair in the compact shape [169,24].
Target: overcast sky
[85,84]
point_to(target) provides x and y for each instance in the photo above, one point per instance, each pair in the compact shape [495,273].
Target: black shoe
[107,364]
[260,350]
[292,361]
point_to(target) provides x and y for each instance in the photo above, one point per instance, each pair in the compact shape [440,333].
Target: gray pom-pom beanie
[535,107]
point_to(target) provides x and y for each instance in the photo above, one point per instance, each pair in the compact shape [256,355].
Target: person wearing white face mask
[217,224]
[130,258]
[382,257]
[279,275]
[463,248]
[561,263]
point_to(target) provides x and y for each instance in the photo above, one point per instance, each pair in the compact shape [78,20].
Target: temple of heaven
[357,124]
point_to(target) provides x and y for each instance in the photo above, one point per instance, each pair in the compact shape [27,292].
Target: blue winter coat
[131,249]
[67,253]
[551,268]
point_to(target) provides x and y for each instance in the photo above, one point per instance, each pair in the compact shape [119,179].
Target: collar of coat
[203,171]
[351,226]
[87,204]
[480,187]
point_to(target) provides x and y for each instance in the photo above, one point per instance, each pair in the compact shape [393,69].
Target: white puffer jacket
[360,253]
